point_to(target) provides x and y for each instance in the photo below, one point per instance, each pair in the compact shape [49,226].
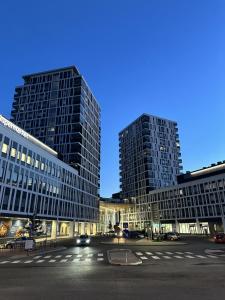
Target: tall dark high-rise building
[59,109]
[149,155]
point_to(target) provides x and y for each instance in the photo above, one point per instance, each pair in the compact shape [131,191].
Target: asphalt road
[178,272]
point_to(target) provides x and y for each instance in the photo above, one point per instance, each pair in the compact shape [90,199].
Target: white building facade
[35,183]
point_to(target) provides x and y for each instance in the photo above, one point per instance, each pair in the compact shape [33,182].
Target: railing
[19,248]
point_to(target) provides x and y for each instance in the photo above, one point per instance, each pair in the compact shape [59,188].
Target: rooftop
[53,71]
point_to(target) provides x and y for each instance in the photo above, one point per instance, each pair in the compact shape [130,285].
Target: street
[184,271]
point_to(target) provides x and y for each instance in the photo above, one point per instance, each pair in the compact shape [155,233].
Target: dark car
[17,243]
[171,236]
[136,235]
[219,238]
[83,240]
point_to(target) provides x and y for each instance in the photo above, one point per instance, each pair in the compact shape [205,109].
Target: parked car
[136,235]
[83,240]
[219,238]
[18,243]
[171,236]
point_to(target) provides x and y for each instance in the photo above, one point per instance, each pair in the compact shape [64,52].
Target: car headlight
[88,241]
[78,241]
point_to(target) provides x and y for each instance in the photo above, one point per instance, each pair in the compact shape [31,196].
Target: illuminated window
[18,155]
[28,160]
[23,158]
[4,148]
[13,152]
[42,166]
[36,163]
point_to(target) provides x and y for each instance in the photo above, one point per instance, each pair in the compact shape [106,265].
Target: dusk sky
[162,57]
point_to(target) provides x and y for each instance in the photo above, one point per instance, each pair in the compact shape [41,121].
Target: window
[4,148]
[13,152]
[23,158]
[28,160]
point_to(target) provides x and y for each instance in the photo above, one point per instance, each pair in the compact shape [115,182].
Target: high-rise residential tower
[149,155]
[59,109]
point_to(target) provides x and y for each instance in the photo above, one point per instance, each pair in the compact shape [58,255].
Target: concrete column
[177,226]
[94,228]
[54,230]
[71,229]
[223,221]
[198,228]
[82,228]
[76,229]
[88,228]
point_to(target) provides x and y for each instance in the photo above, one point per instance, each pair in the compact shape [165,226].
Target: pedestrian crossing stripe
[144,257]
[28,261]
[155,257]
[139,253]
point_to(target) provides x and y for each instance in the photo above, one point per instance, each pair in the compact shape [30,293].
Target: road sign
[29,245]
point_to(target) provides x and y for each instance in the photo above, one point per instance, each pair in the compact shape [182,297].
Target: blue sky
[162,57]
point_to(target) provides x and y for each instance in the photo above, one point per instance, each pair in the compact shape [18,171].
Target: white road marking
[4,262]
[63,260]
[40,261]
[52,260]
[90,254]
[68,255]
[179,252]
[144,257]
[212,256]
[87,259]
[167,257]
[58,256]
[200,256]
[155,257]
[100,259]
[211,251]
[48,256]
[149,253]
[139,253]
[79,255]
[188,252]
[177,256]
[76,259]
[169,253]
[189,256]
[36,257]
[28,261]
[100,254]
[15,261]
[159,253]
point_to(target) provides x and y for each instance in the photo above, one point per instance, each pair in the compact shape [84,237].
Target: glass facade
[33,181]
[149,155]
[58,108]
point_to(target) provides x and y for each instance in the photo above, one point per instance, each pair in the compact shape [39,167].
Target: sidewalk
[142,242]
[20,253]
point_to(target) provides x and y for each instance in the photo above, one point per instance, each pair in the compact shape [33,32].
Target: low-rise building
[35,183]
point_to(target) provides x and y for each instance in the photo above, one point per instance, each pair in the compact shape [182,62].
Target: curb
[138,260]
[145,245]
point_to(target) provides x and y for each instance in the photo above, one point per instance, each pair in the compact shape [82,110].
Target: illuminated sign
[12,126]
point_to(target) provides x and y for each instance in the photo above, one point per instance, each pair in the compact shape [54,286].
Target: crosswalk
[69,258]
[99,257]
[168,255]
